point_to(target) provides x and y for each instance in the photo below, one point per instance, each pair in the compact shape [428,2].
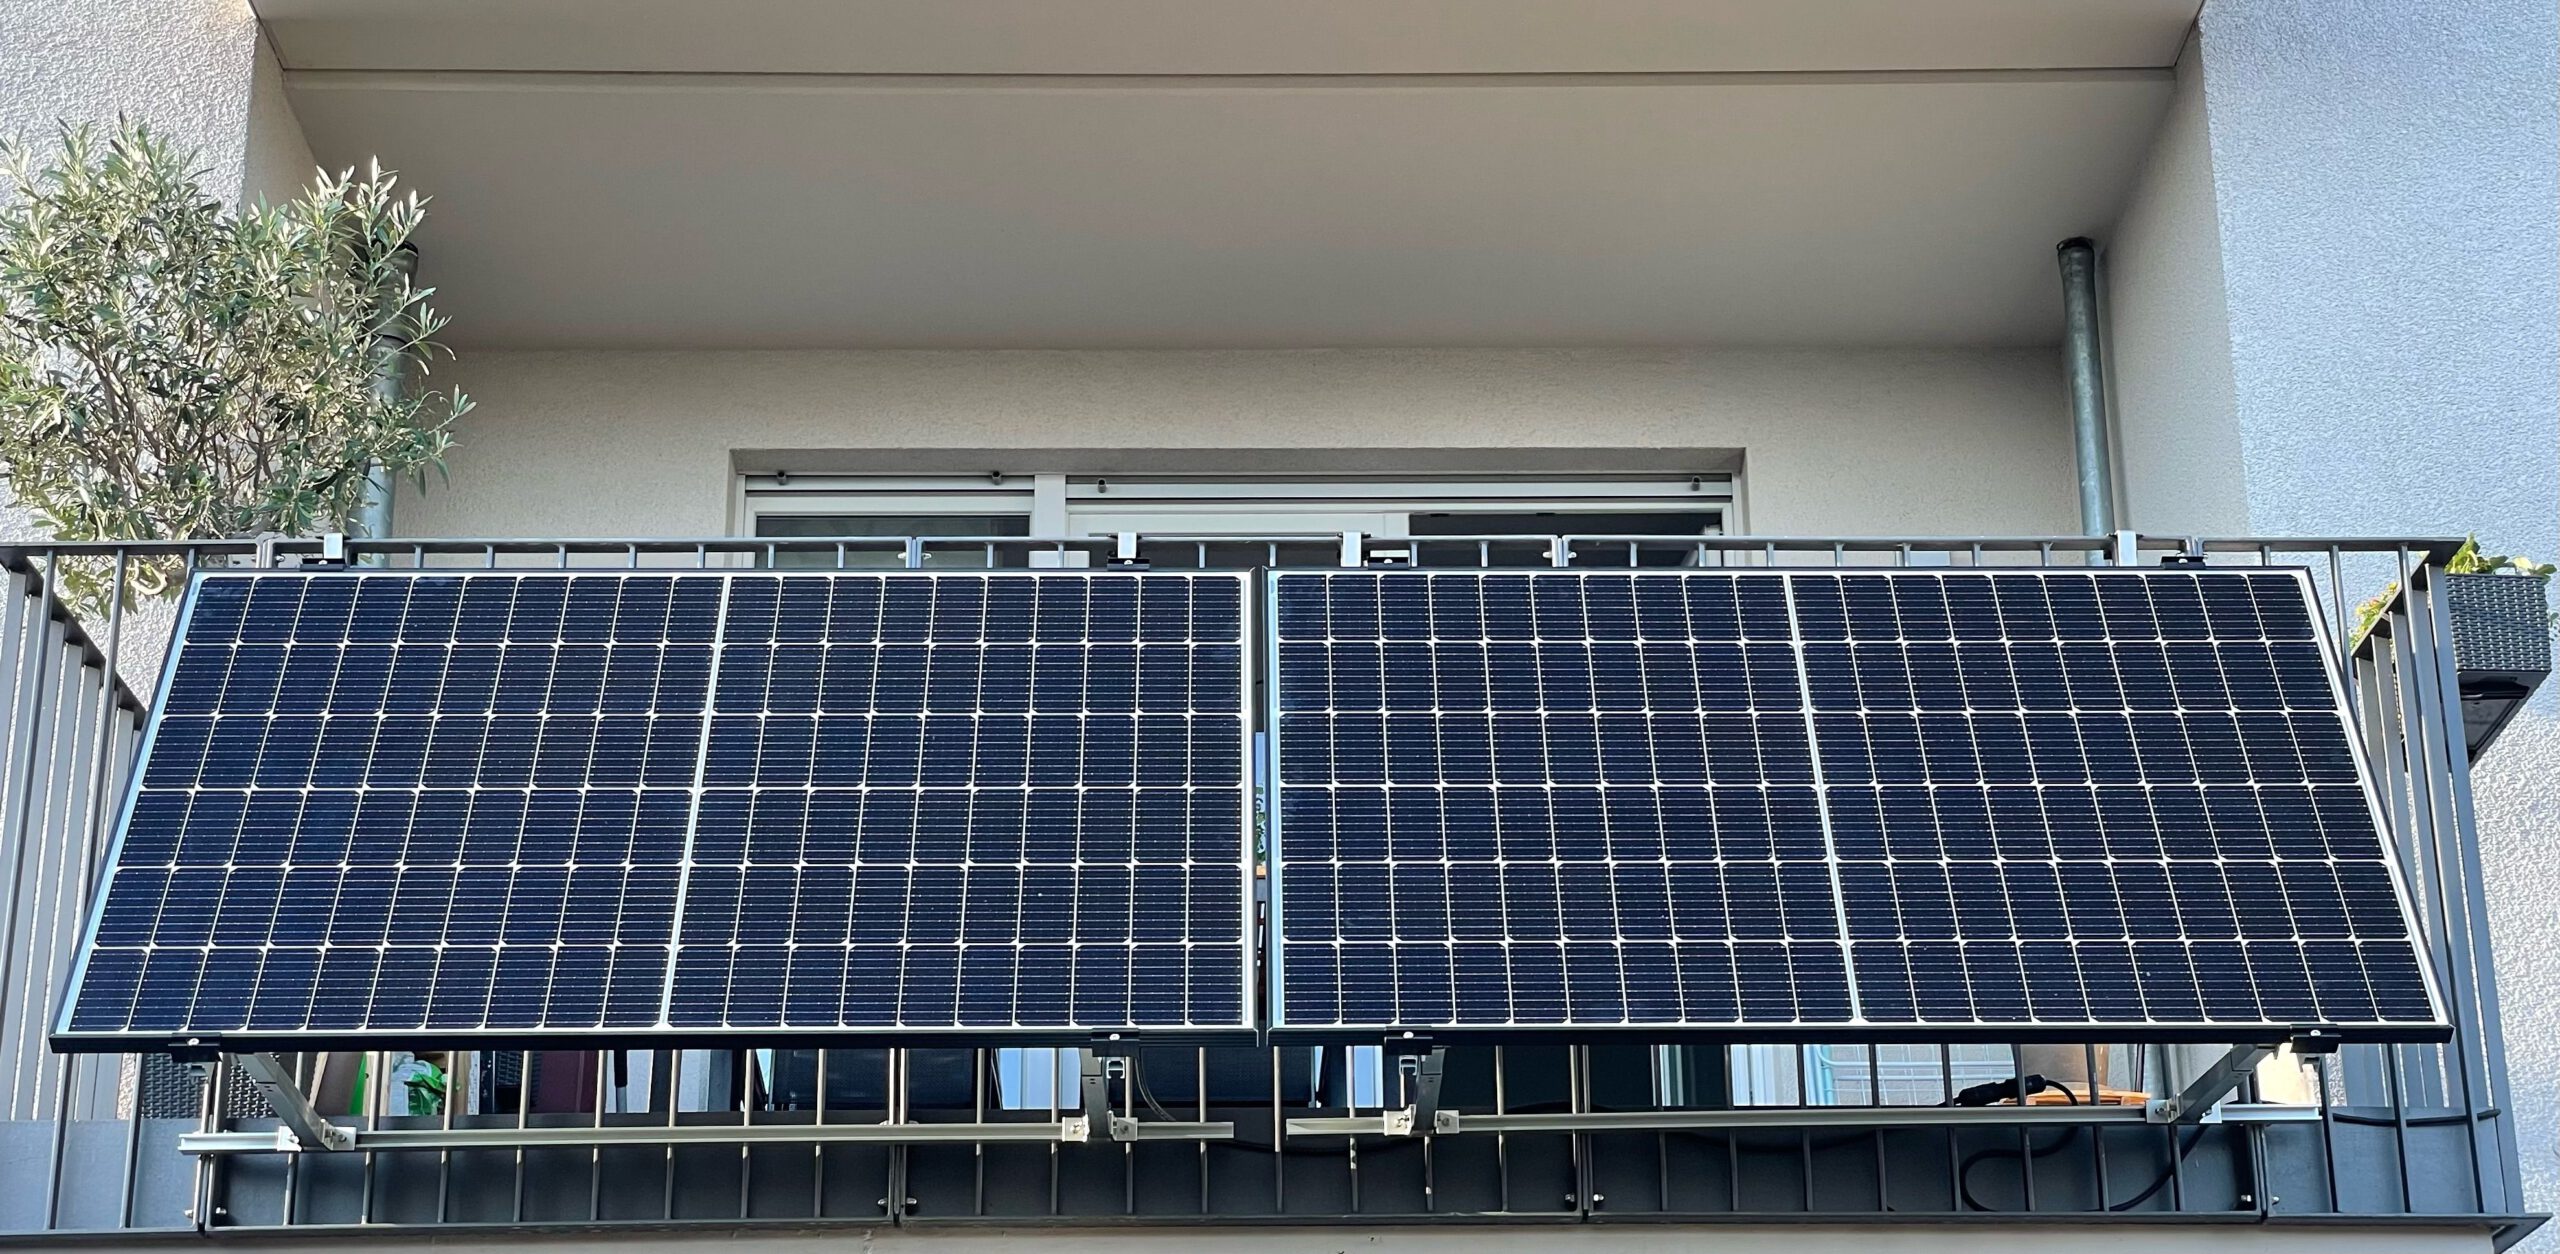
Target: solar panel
[2011,805]
[520,805]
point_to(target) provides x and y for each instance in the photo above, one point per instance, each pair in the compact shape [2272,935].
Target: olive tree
[171,368]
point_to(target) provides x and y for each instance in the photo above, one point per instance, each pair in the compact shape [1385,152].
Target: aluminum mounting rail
[1453,1122]
[1072,1130]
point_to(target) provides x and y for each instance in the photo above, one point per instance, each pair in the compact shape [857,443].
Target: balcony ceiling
[1237,173]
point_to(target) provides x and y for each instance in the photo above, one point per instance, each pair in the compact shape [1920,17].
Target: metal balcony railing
[2375,1135]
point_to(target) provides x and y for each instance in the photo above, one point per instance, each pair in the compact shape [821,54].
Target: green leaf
[170,369]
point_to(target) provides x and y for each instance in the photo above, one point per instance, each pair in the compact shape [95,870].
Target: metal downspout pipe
[373,508]
[2079,258]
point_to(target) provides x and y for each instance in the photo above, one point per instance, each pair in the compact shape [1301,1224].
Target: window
[885,509]
[1189,519]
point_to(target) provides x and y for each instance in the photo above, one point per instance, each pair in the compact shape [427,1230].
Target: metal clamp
[1421,1067]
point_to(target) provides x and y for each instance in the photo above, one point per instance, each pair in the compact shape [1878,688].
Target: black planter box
[2501,648]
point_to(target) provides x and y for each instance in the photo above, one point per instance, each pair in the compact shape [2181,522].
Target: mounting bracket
[1124,552]
[2210,1086]
[1421,1065]
[302,1122]
[1107,1059]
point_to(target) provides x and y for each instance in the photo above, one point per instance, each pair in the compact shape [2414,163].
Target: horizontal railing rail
[2406,1134]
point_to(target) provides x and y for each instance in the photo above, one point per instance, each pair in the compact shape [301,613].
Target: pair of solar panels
[525,807]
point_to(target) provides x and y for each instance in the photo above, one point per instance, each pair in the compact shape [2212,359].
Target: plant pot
[2501,648]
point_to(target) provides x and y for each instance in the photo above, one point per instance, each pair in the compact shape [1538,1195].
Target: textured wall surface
[2168,349]
[1861,443]
[2389,181]
[183,65]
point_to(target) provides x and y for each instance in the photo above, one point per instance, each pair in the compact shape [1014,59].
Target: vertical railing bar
[2328,1135]
[209,1118]
[2026,1133]
[1804,1136]
[979,1061]
[1662,1140]
[1054,1056]
[746,1119]
[1279,1140]
[818,1148]
[2098,1132]
[128,1190]
[2419,752]
[1502,1140]
[24,1075]
[901,1094]
[2400,1131]
[2439,734]
[604,1070]
[2491,1046]
[2261,1191]
[444,1158]
[1129,1149]
[1200,1107]
[2345,628]
[2177,1168]
[370,1099]
[525,1064]
[1955,1146]
[675,1099]
[49,836]
[2387,734]
[84,866]
[17,791]
[1875,1097]
[1351,1106]
[304,1070]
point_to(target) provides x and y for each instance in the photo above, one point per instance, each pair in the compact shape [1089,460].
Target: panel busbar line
[2011,805]
[507,806]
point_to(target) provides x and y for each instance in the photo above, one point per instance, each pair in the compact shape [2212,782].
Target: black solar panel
[1941,804]
[685,804]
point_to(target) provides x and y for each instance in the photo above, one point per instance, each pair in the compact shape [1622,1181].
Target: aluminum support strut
[2216,1082]
[302,1122]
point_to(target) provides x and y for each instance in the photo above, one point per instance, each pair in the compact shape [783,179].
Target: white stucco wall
[196,69]
[2388,175]
[1872,442]
[2177,439]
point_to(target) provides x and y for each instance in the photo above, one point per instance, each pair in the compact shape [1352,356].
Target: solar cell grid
[1810,800]
[697,803]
